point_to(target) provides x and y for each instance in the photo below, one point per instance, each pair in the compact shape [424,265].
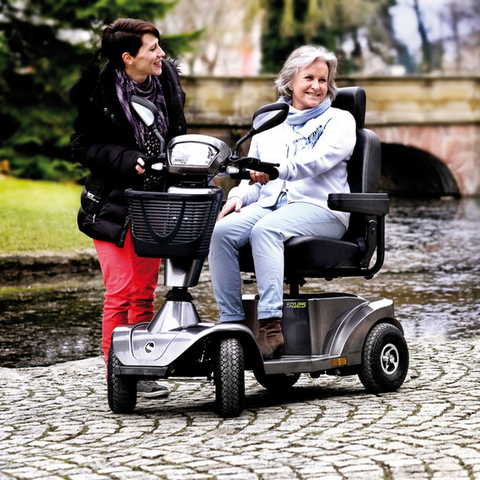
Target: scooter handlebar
[257,165]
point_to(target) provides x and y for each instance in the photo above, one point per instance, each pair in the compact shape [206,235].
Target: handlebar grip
[253,164]
[267,168]
[272,171]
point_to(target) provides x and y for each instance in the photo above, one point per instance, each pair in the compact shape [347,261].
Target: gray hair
[301,58]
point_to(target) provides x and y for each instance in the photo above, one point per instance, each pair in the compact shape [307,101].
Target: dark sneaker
[151,389]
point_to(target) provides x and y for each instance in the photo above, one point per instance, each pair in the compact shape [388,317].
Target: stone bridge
[429,126]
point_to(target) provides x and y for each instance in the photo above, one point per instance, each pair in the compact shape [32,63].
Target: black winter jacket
[105,143]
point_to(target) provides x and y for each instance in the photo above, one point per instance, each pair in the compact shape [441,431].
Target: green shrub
[44,168]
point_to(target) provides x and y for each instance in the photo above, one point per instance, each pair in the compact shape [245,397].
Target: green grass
[38,216]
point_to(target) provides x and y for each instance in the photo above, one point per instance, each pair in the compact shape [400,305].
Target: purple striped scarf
[150,89]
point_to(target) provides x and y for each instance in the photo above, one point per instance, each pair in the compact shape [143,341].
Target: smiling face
[147,61]
[310,86]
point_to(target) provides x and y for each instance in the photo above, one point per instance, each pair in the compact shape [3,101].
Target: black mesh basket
[173,225]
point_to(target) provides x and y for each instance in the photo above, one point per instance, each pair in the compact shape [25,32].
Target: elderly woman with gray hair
[312,147]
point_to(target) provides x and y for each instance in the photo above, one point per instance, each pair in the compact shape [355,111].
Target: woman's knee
[229,234]
[267,242]
[263,231]
[118,301]
[220,237]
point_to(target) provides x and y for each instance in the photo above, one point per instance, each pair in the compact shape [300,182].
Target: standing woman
[312,147]
[115,147]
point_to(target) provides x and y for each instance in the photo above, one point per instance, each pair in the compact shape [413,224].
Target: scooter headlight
[196,154]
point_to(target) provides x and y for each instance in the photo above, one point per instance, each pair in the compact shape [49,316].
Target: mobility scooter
[325,333]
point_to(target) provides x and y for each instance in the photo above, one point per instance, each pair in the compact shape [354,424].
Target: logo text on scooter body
[296,305]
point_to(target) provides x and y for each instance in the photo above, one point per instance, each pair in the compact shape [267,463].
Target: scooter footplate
[297,364]
[141,371]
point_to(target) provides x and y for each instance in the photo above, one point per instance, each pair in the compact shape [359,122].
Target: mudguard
[347,335]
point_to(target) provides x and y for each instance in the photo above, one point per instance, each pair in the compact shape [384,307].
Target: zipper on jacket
[93,197]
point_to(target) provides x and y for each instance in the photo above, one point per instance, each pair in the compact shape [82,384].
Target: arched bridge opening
[410,172]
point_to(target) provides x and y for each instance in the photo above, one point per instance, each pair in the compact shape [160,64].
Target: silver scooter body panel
[138,348]
[343,337]
[317,329]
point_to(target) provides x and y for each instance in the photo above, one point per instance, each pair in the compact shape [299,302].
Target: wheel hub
[390,359]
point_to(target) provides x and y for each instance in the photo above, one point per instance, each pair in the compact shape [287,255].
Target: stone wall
[458,146]
[440,115]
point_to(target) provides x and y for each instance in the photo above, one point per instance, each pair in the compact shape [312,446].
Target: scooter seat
[310,253]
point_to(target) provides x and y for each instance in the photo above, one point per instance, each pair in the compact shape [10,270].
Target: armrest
[367,203]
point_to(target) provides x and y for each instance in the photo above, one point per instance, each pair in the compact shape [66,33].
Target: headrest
[354,100]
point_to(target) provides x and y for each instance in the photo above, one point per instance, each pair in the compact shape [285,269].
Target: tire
[122,391]
[384,359]
[230,378]
[277,383]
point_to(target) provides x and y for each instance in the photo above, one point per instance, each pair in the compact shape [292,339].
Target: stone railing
[230,101]
[439,115]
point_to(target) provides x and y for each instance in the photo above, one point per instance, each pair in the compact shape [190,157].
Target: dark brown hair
[125,35]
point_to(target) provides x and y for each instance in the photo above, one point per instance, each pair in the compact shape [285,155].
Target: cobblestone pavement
[55,423]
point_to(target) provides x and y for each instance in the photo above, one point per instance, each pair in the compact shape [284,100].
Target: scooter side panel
[190,336]
[344,338]
[307,319]
[139,347]
[136,345]
[324,314]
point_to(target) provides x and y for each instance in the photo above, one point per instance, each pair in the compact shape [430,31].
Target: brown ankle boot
[270,337]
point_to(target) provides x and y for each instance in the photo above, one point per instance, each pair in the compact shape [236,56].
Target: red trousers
[130,283]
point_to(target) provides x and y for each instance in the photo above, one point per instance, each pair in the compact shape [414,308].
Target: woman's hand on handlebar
[145,164]
[259,177]
[232,204]
[140,166]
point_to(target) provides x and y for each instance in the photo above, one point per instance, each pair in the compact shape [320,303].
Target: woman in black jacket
[116,148]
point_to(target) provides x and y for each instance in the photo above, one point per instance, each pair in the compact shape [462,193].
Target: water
[431,271]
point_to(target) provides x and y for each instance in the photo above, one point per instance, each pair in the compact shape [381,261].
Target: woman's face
[310,86]
[147,61]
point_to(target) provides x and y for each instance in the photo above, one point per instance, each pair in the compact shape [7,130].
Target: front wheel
[384,359]
[229,378]
[122,391]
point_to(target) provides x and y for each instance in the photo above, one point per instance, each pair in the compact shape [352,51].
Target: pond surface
[431,271]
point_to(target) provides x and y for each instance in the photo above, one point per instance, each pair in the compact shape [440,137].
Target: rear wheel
[230,378]
[122,391]
[277,383]
[384,359]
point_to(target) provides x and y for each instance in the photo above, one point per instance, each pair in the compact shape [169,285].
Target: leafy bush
[44,45]
[43,168]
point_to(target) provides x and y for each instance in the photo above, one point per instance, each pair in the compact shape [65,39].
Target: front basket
[173,225]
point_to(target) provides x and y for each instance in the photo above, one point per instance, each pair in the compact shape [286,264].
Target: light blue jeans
[266,229]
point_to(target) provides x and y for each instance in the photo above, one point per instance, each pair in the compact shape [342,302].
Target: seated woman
[312,147]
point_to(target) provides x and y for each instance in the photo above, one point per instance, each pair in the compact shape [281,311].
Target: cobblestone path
[55,424]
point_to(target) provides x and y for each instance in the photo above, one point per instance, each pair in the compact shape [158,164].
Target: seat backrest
[365,164]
